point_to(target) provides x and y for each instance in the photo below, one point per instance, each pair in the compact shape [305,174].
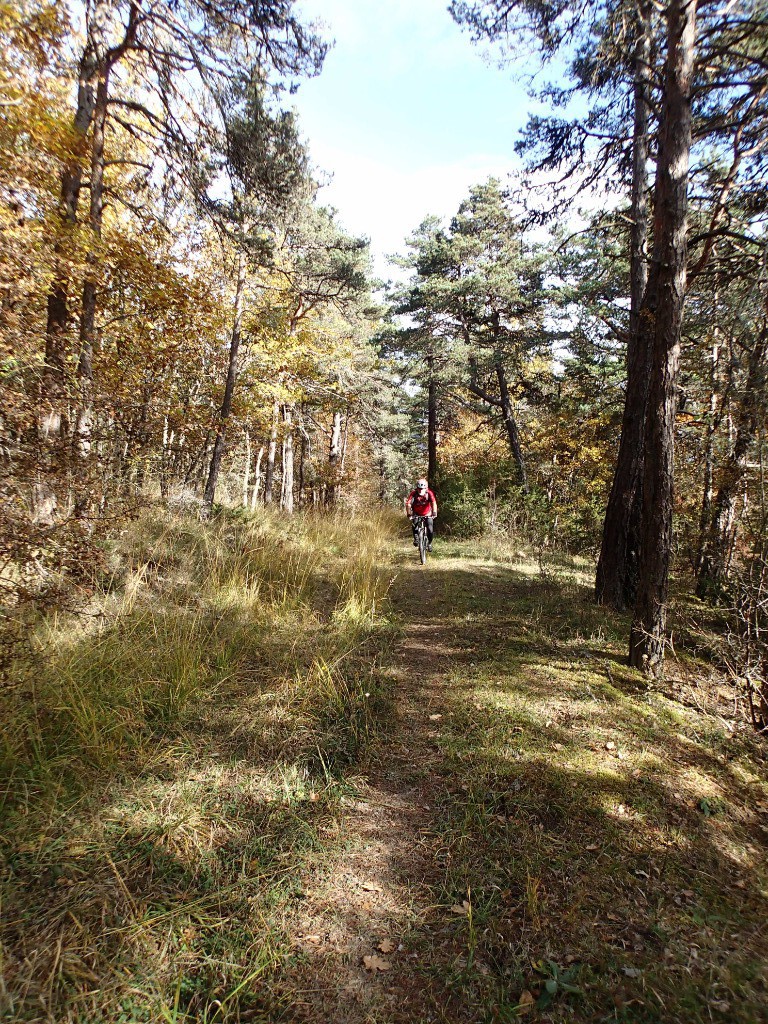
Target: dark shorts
[430,528]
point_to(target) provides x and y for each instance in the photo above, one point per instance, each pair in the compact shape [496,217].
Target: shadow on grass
[584,819]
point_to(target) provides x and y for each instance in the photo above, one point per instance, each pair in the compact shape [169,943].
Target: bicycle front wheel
[423,543]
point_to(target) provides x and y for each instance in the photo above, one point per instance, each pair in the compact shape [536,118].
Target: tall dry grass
[188,607]
[170,755]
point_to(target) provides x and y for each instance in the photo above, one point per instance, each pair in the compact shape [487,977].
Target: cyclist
[422,502]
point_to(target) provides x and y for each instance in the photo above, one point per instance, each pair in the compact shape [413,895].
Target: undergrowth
[175,755]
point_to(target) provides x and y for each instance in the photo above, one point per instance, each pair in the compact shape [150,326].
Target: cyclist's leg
[430,530]
[415,535]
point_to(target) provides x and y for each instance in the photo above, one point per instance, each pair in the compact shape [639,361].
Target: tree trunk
[269,481]
[508,414]
[247,468]
[52,382]
[617,567]
[287,499]
[708,491]
[431,423]
[334,458]
[660,322]
[716,553]
[257,479]
[229,387]
[83,438]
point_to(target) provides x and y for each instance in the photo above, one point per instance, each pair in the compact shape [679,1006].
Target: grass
[175,764]
[607,835]
[184,758]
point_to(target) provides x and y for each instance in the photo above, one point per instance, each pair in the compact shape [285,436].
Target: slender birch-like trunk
[229,387]
[269,481]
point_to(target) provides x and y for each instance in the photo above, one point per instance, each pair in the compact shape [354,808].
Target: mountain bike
[420,531]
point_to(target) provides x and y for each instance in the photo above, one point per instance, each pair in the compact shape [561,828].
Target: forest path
[379,898]
[535,824]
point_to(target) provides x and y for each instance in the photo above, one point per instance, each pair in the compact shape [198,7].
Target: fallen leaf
[370,887]
[386,945]
[558,746]
[462,909]
[375,963]
[315,939]
[435,718]
[526,1001]
[610,745]
[631,972]
[592,847]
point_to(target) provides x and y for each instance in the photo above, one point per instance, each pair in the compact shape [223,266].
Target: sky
[406,115]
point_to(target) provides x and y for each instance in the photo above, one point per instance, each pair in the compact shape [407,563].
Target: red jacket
[421,504]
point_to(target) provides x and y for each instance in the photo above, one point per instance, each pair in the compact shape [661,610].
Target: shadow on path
[531,801]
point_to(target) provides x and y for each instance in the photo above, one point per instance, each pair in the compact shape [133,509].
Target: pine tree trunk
[219,444]
[617,567]
[660,323]
[708,482]
[508,414]
[431,423]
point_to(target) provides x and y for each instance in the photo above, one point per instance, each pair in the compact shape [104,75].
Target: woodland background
[576,359]
[179,314]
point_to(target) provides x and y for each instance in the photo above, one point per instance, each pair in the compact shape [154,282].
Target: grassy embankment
[174,760]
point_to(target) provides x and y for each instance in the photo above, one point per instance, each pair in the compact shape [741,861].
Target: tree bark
[510,425]
[269,480]
[334,458]
[247,468]
[617,567]
[84,417]
[708,482]
[431,422]
[257,479]
[660,323]
[713,570]
[52,382]
[219,444]
[287,500]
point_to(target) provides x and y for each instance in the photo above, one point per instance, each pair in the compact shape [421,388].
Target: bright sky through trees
[406,115]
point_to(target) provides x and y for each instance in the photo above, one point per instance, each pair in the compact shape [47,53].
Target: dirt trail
[382,887]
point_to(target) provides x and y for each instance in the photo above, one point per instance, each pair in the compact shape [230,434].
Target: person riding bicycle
[422,502]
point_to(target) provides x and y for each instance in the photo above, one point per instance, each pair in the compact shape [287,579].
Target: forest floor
[540,834]
[471,811]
